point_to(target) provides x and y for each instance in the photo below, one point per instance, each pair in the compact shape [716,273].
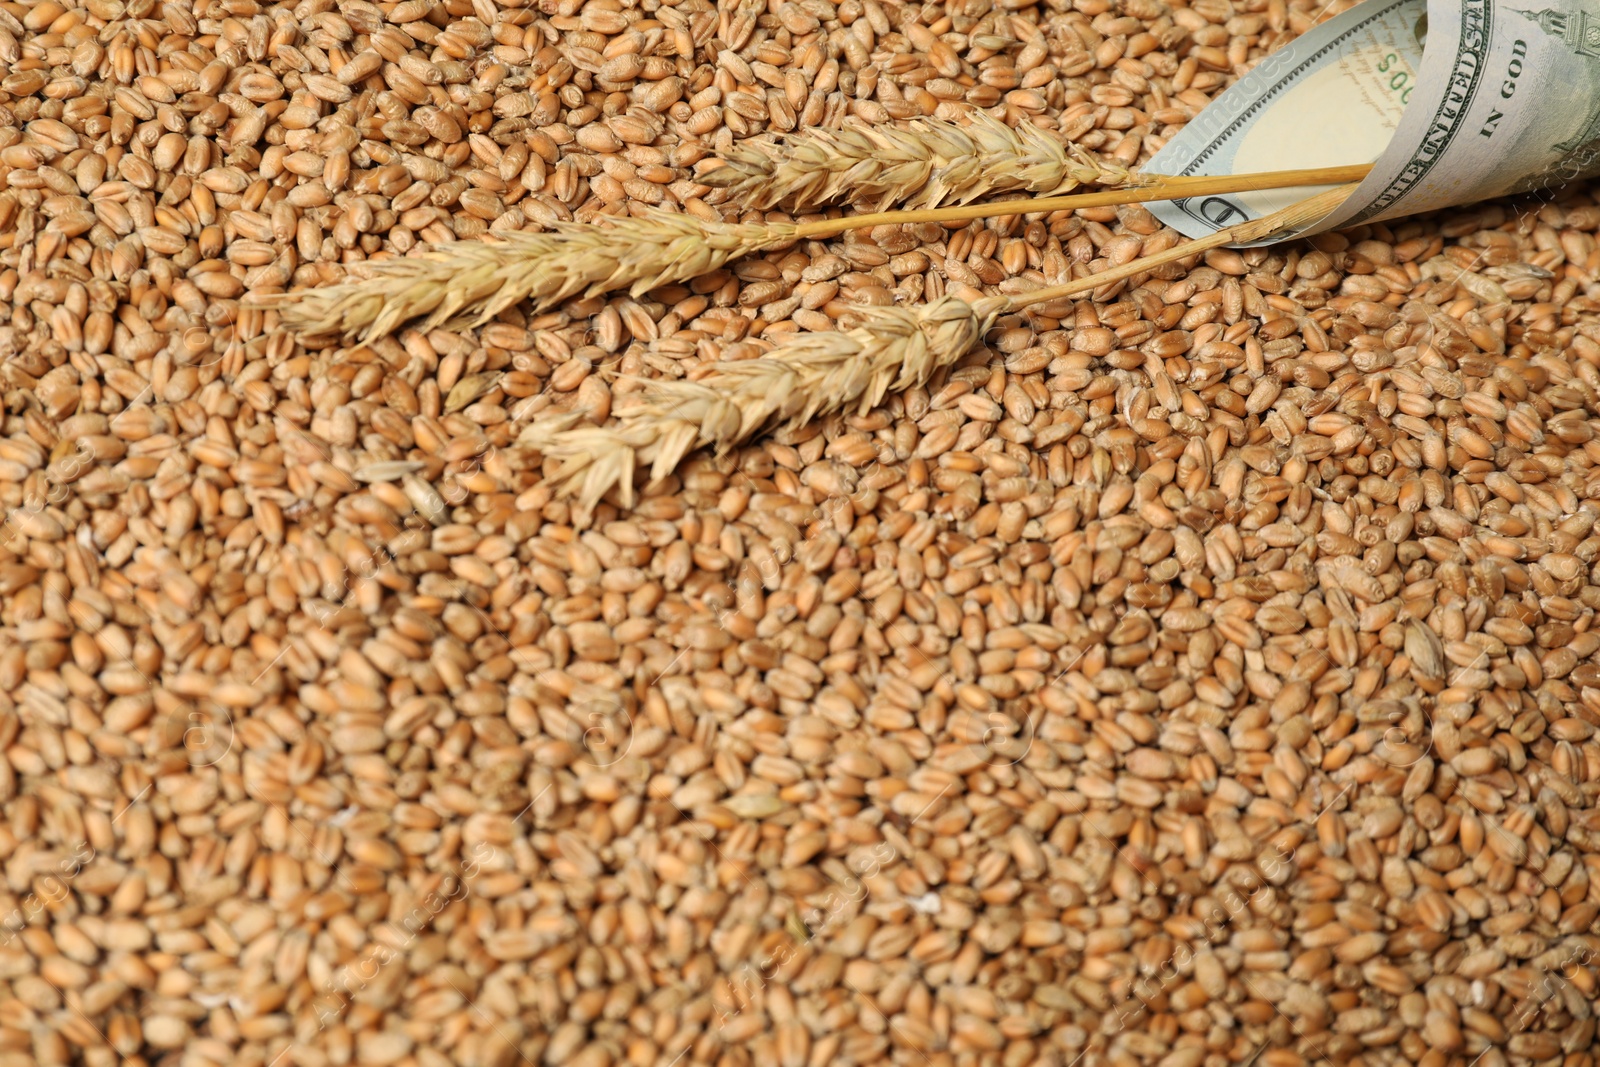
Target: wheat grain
[927,163]
[809,375]
[328,736]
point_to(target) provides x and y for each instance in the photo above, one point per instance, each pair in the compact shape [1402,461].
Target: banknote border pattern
[1417,167]
[1261,101]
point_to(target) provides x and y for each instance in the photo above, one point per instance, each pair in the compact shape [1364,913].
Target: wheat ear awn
[926,163]
[813,374]
[469,282]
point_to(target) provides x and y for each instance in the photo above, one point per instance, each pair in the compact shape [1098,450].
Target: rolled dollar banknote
[1453,101]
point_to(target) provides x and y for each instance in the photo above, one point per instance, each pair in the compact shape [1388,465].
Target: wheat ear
[808,375]
[469,282]
[472,281]
[926,163]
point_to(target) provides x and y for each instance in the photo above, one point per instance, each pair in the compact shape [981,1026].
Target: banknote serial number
[1519,52]
[1400,78]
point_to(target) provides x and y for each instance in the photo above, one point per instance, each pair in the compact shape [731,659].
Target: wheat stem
[1153,187]
[1292,217]
[807,375]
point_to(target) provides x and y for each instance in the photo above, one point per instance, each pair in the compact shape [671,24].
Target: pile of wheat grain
[1196,675]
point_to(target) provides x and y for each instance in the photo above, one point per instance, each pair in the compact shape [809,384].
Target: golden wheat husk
[813,374]
[466,283]
[926,163]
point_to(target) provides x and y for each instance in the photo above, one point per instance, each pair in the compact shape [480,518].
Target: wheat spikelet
[472,281]
[805,376]
[928,163]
